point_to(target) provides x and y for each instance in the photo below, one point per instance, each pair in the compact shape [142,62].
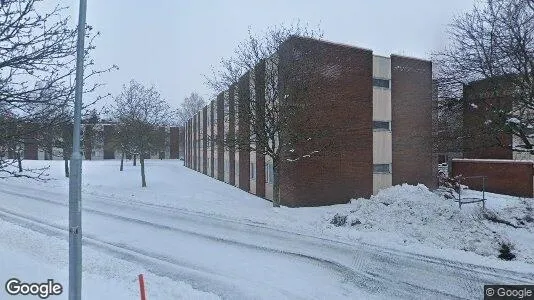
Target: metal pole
[75,179]
[484,192]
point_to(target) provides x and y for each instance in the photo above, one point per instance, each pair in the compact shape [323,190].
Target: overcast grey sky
[172,43]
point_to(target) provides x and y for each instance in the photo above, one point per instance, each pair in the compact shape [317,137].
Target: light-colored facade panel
[214,135]
[201,140]
[381,181]
[382,147]
[268,186]
[381,67]
[382,138]
[253,169]
[381,104]
[226,166]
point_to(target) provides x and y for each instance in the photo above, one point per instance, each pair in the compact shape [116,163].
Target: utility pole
[75,179]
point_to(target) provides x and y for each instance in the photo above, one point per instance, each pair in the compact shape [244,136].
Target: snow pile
[414,214]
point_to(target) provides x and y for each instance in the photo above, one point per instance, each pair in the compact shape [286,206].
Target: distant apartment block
[97,144]
[481,142]
[377,111]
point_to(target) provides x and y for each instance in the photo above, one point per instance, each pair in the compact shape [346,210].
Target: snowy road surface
[237,260]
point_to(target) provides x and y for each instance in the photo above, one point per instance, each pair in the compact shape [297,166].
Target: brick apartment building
[97,145]
[487,152]
[482,97]
[377,111]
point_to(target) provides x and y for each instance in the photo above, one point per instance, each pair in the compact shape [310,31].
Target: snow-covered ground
[413,216]
[35,257]
[195,237]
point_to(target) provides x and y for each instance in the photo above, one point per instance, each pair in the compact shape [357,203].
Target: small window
[381,125]
[252,170]
[269,174]
[382,168]
[383,83]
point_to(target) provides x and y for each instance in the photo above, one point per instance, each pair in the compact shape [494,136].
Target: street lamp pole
[75,179]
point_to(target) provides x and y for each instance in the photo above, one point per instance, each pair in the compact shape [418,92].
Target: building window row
[252,170]
[382,83]
[269,173]
[382,168]
[382,125]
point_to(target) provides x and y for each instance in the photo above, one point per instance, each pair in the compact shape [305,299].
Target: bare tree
[495,43]
[189,107]
[141,114]
[276,104]
[37,67]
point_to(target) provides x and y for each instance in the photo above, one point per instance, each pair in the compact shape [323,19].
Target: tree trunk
[122,160]
[19,161]
[276,184]
[142,161]
[66,166]
[135,160]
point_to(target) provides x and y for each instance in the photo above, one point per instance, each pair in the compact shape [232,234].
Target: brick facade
[411,125]
[504,176]
[480,141]
[337,117]
[333,84]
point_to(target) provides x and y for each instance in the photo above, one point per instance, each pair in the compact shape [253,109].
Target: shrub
[339,220]
[506,251]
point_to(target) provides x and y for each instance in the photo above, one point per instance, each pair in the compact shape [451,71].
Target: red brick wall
[220,134]
[88,140]
[243,124]
[30,149]
[195,147]
[204,124]
[174,139]
[337,116]
[212,139]
[411,121]
[109,149]
[480,141]
[504,177]
[188,144]
[231,132]
[259,87]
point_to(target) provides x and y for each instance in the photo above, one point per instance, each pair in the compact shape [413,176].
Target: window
[382,168]
[269,174]
[383,83]
[252,170]
[381,125]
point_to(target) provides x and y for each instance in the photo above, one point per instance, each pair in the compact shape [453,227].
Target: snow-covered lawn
[411,217]
[402,218]
[33,257]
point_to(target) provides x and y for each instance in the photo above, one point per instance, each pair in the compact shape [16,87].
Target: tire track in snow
[386,252]
[161,265]
[373,281]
